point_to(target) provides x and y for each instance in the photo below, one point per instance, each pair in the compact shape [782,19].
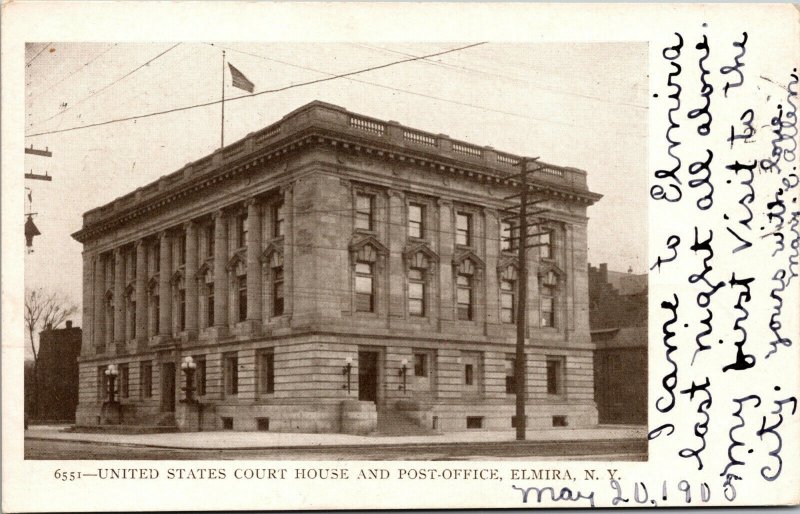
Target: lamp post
[111,372]
[347,370]
[189,366]
[403,373]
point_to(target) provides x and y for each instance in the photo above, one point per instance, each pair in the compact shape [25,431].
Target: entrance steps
[394,423]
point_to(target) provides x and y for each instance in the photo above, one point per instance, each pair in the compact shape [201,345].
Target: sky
[579,105]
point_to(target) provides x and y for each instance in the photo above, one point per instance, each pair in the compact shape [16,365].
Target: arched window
[548,291]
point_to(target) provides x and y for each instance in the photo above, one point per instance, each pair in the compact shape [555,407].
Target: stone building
[332,269]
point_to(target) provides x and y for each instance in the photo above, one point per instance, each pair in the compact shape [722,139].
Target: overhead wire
[95,93]
[240,97]
[80,68]
[46,45]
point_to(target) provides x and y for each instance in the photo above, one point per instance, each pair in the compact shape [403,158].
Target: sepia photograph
[336,251]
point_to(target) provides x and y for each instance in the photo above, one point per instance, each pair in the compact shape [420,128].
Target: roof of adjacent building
[323,123]
[625,337]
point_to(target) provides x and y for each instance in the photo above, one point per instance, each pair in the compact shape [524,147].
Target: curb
[307,447]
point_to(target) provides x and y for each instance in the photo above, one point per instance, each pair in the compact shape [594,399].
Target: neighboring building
[618,318]
[57,374]
[329,242]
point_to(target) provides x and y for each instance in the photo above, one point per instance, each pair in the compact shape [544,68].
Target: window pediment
[550,274]
[467,262]
[238,259]
[130,291]
[367,248]
[204,270]
[420,256]
[152,284]
[176,277]
[273,255]
[508,268]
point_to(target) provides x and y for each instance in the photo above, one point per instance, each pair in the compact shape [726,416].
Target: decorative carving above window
[273,255]
[420,256]
[205,270]
[507,269]
[367,249]
[550,274]
[467,262]
[152,284]
[236,261]
[176,277]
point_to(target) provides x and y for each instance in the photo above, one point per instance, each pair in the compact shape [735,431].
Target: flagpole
[222,125]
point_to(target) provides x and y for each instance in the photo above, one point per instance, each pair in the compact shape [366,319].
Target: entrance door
[168,387]
[368,376]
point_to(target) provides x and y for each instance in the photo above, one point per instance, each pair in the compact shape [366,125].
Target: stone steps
[394,423]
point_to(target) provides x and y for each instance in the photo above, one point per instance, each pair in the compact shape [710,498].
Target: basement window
[474,422]
[227,423]
[559,421]
[262,424]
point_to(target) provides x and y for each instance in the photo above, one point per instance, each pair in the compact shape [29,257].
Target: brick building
[57,374]
[330,269]
[618,320]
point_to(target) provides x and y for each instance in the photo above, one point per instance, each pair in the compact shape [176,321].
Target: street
[630,450]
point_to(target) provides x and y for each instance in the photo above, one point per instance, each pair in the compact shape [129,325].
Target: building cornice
[319,124]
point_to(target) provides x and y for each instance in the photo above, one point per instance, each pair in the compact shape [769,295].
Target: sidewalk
[227,440]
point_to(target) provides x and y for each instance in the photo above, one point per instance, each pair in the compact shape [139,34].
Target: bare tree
[44,310]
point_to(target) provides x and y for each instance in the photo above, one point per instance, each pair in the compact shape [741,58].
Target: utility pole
[521,238]
[522,303]
[31,230]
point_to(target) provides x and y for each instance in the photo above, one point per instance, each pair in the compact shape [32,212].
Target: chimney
[604,272]
[69,323]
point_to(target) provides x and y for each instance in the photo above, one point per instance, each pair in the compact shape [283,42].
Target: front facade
[331,269]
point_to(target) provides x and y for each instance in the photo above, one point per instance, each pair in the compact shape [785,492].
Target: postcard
[399,256]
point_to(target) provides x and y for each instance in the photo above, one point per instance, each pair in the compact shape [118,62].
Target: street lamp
[189,366]
[403,373]
[111,372]
[346,370]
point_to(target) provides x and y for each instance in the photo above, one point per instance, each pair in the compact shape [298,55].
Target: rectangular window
[416,292]
[508,235]
[469,374]
[124,381]
[416,220]
[555,370]
[241,230]
[182,309]
[511,373]
[241,282]
[182,249]
[157,257]
[200,375]
[463,229]
[464,296]
[210,304]
[209,240]
[507,301]
[546,250]
[420,364]
[133,318]
[156,313]
[364,288]
[266,371]
[102,386]
[231,371]
[277,219]
[277,291]
[474,422]
[364,205]
[547,311]
[146,379]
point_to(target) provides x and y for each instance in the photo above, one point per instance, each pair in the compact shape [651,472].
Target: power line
[268,91]
[83,66]
[416,93]
[28,64]
[109,85]
[501,76]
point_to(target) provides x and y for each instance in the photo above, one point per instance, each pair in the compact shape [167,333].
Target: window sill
[366,232]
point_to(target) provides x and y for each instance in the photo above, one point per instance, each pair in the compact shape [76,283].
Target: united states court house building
[329,273]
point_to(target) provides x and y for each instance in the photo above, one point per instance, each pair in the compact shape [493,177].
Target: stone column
[99,318]
[220,273]
[190,280]
[288,248]
[164,293]
[398,233]
[119,301]
[140,330]
[253,262]
[88,303]
[446,250]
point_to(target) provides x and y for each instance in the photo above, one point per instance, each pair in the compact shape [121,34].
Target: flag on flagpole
[239,80]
